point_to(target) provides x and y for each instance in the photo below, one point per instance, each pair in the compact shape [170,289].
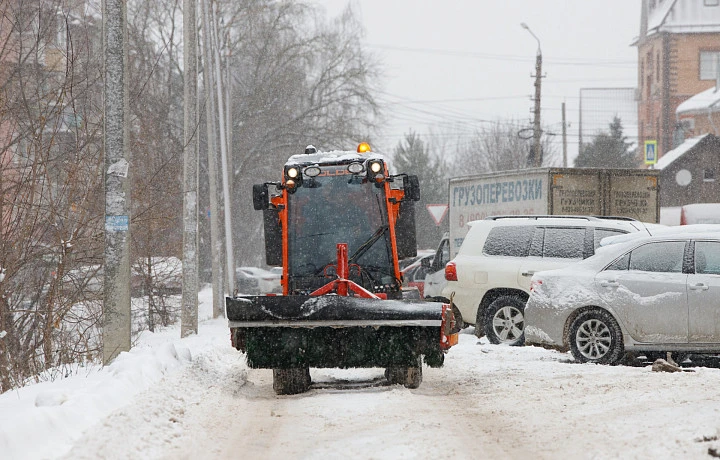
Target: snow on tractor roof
[333,157]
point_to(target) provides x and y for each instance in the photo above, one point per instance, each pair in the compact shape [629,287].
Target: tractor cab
[339,197]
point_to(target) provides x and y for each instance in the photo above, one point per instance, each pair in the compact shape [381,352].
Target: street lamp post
[538,80]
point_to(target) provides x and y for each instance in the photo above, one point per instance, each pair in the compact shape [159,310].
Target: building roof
[667,159]
[681,16]
[657,13]
[701,103]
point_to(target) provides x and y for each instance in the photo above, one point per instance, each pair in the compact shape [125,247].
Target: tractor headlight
[376,170]
[355,168]
[312,171]
[293,178]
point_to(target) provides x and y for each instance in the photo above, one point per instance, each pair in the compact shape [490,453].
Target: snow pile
[46,419]
[58,412]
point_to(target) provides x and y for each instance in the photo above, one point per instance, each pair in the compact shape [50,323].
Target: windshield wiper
[365,247]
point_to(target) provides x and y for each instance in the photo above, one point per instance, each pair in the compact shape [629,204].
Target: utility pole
[116,264]
[229,253]
[215,239]
[580,124]
[564,136]
[189,315]
[537,133]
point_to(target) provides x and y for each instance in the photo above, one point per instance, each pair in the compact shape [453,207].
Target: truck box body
[552,191]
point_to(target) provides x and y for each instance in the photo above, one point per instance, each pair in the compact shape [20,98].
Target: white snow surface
[195,398]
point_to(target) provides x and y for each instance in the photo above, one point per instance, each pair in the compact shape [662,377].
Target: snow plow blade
[338,331]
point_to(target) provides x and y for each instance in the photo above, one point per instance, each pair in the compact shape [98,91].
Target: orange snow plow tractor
[338,223]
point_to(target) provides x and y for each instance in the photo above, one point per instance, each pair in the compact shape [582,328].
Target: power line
[507,57]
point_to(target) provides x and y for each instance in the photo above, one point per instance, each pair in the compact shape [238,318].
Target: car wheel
[291,381]
[459,323]
[595,337]
[505,321]
[676,356]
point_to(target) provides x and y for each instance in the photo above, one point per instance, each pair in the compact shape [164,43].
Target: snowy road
[488,401]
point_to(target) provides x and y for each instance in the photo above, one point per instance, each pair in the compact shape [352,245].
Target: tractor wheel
[410,377]
[291,381]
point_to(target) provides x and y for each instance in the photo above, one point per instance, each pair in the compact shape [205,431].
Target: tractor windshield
[331,209]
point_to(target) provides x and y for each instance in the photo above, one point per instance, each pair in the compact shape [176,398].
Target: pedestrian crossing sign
[651,152]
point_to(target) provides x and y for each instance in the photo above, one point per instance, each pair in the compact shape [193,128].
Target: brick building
[678,57]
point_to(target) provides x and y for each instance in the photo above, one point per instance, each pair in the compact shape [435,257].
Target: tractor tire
[410,377]
[291,381]
[505,321]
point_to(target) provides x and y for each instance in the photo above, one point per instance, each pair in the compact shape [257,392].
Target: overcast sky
[470,61]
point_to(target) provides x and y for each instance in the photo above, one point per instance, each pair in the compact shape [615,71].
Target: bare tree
[156,137]
[51,169]
[497,147]
[49,189]
[296,80]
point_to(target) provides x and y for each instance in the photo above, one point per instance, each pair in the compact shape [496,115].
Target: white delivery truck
[552,191]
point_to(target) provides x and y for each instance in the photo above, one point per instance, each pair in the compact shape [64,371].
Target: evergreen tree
[608,150]
[412,156]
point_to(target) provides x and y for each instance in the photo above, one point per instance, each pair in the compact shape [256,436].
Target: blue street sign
[117,223]
[651,152]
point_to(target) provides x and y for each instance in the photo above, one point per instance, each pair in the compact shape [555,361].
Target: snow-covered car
[245,283]
[435,280]
[421,254]
[489,278]
[85,279]
[161,275]
[267,282]
[650,294]
[414,274]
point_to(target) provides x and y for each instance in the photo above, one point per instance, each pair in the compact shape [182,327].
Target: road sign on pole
[651,156]
[437,211]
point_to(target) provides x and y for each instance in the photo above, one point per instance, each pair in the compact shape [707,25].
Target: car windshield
[336,207]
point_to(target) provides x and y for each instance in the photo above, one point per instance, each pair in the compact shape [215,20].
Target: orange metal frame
[392,202]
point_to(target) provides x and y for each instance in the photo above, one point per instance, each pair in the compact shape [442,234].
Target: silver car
[650,294]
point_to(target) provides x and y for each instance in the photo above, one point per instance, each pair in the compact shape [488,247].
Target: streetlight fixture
[526,27]
[537,152]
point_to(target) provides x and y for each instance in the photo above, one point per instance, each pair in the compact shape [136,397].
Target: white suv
[435,278]
[489,279]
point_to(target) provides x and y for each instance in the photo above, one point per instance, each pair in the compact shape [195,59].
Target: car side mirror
[260,197]
[426,262]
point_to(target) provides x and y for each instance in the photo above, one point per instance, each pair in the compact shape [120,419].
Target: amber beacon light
[363,147]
